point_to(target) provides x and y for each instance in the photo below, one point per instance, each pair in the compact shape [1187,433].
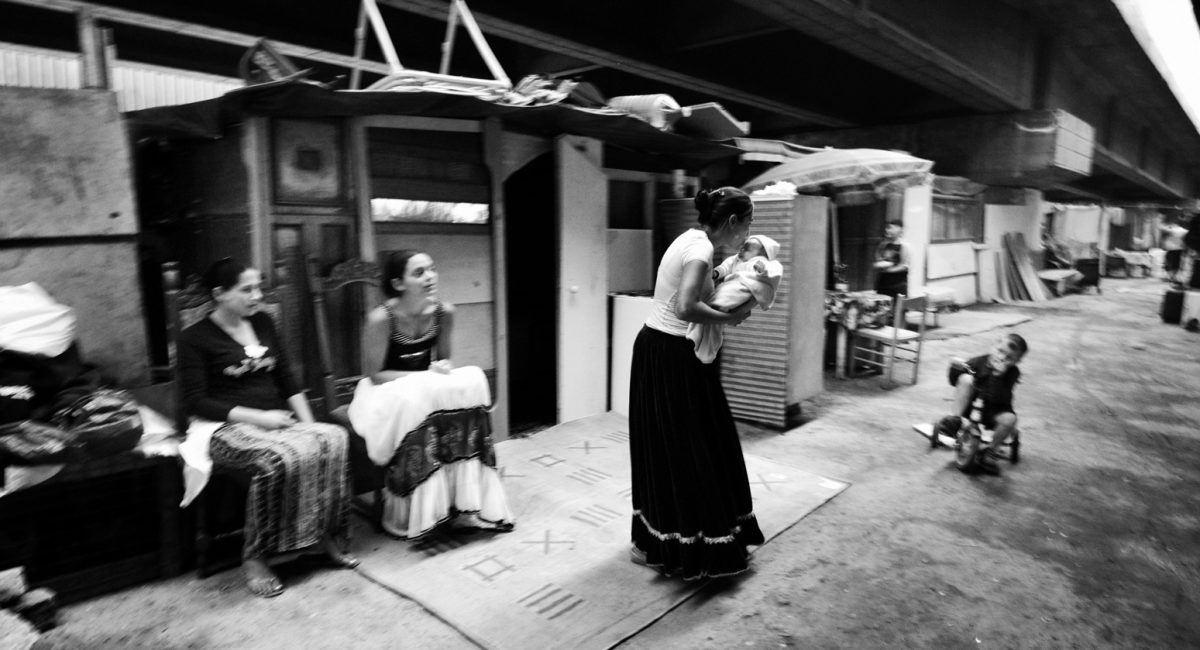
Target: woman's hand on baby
[741,313]
[442,366]
[276,419]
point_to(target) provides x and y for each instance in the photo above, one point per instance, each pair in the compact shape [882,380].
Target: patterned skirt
[692,511]
[299,486]
[444,468]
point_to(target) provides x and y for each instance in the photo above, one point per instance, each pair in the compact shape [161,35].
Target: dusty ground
[1092,541]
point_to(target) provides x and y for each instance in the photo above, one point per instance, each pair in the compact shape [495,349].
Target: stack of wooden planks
[1015,274]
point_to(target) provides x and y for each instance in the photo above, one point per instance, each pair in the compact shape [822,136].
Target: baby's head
[1007,352]
[751,248]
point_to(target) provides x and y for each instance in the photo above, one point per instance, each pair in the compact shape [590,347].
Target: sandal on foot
[344,560]
[637,556]
[264,586]
[334,553]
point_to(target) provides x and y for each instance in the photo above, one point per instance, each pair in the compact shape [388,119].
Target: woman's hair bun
[223,274]
[703,203]
[718,204]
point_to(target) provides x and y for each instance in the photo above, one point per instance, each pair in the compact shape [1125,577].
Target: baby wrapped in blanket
[752,274]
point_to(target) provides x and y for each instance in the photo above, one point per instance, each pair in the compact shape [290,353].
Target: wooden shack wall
[69,221]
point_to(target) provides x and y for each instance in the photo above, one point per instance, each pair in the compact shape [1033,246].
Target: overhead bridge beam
[203,32]
[506,29]
[852,28]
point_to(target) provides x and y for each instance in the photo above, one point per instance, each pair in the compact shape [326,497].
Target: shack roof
[301,99]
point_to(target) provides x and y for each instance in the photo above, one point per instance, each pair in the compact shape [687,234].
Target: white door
[583,278]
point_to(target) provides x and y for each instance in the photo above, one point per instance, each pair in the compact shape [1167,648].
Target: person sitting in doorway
[425,420]
[234,370]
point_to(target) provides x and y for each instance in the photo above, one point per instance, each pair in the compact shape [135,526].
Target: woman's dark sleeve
[284,379]
[193,374]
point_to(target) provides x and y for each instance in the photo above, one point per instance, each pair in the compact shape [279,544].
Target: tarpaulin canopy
[300,99]
[841,168]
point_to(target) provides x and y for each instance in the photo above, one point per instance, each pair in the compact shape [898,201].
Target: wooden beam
[202,32]
[525,35]
[382,35]
[92,52]
[493,145]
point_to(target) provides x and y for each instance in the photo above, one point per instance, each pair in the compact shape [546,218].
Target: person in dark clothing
[234,369]
[1192,241]
[692,511]
[991,377]
[891,262]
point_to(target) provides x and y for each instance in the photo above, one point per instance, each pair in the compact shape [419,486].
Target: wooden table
[851,310]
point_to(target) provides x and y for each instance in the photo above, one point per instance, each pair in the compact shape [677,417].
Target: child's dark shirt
[218,374]
[996,390]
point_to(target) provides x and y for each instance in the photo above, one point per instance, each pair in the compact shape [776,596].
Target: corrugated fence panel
[137,85]
[754,358]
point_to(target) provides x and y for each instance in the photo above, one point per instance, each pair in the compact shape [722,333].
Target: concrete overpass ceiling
[1098,39]
[784,65]
[709,50]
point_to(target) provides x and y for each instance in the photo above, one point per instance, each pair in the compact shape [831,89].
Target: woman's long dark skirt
[692,512]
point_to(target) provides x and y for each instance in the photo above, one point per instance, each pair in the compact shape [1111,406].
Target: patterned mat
[563,578]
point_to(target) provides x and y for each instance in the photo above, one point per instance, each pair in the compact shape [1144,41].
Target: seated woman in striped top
[426,420]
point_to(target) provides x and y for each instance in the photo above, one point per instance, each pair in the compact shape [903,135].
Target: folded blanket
[383,414]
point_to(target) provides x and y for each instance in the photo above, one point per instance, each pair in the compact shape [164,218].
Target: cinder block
[12,586]
[39,607]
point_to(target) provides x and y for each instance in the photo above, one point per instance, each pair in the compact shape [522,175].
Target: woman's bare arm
[376,331]
[690,305]
[443,342]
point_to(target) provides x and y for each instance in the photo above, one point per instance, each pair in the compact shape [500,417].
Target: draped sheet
[383,414]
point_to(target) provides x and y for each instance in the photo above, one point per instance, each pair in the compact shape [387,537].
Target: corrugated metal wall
[756,354]
[137,85]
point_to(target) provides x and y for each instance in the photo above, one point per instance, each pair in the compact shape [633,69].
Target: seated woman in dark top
[426,420]
[234,370]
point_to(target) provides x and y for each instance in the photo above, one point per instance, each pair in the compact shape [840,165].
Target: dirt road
[1091,541]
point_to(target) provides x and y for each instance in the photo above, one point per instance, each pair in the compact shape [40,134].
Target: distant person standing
[1191,239]
[891,262]
[1172,242]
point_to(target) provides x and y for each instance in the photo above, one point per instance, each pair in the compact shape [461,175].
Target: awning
[300,99]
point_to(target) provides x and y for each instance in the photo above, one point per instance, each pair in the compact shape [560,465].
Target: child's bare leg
[1006,424]
[964,388]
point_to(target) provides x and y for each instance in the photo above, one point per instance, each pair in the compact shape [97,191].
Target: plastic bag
[103,423]
[33,323]
[29,442]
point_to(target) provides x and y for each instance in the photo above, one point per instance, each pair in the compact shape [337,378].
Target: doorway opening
[531,266]
[860,229]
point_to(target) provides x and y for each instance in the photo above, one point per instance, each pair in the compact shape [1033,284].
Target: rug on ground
[563,577]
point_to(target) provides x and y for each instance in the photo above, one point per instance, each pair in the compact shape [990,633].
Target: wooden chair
[339,389]
[882,347]
[220,508]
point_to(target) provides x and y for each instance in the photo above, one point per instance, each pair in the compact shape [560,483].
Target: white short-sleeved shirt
[691,245]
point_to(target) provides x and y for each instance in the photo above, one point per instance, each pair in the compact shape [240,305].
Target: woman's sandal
[339,558]
[267,586]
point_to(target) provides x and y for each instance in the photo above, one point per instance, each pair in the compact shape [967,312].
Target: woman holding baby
[692,511]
